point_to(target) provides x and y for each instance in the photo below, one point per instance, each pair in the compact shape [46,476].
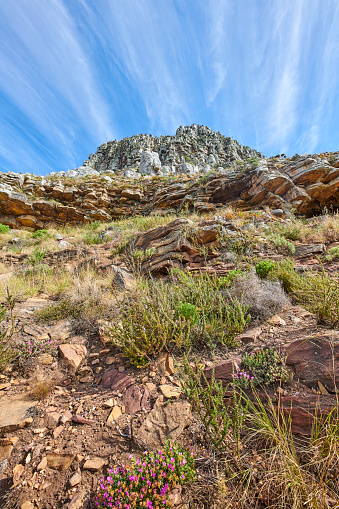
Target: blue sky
[77,73]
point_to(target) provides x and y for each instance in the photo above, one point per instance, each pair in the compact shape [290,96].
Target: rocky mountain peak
[197,145]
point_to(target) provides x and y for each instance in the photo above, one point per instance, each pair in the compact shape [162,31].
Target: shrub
[37,256]
[223,424]
[190,310]
[284,272]
[281,243]
[332,254]
[265,367]
[263,268]
[7,329]
[148,481]
[4,228]
[292,232]
[262,298]
[319,293]
[41,234]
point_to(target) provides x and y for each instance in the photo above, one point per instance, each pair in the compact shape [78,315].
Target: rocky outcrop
[197,145]
[238,176]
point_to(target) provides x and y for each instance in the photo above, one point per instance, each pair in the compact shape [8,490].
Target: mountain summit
[193,149]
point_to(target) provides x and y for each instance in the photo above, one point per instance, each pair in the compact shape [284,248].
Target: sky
[77,73]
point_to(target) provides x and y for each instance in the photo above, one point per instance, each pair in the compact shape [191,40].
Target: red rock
[314,359]
[135,399]
[82,420]
[116,381]
[224,370]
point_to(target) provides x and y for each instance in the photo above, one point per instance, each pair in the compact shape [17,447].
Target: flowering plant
[147,483]
[33,347]
[243,379]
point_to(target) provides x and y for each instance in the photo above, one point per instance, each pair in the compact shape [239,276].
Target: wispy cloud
[75,74]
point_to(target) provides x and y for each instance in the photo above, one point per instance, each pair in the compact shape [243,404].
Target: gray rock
[150,163]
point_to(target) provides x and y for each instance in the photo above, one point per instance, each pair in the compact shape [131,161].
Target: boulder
[150,163]
[73,355]
[165,421]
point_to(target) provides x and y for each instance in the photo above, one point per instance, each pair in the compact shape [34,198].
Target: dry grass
[87,298]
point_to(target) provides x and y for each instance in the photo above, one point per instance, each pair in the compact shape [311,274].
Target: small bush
[319,293]
[86,299]
[4,228]
[281,243]
[148,481]
[263,268]
[41,234]
[266,367]
[283,271]
[222,424]
[40,389]
[262,298]
[37,256]
[333,254]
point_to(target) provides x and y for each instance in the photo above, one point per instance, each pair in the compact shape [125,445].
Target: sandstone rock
[53,419]
[250,335]
[276,320]
[73,355]
[114,414]
[109,403]
[165,421]
[45,359]
[18,470]
[123,279]
[169,391]
[94,464]
[82,420]
[13,412]
[224,370]
[27,505]
[314,359]
[6,448]
[43,464]
[66,417]
[75,479]
[58,461]
[150,386]
[61,331]
[304,250]
[175,495]
[165,364]
[80,501]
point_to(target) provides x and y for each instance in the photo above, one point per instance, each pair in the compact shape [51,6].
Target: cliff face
[239,176]
[196,145]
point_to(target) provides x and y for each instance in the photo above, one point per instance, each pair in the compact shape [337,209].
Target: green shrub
[280,242]
[264,267]
[37,256]
[4,228]
[91,238]
[223,424]
[190,310]
[292,232]
[41,234]
[319,293]
[149,480]
[332,254]
[265,367]
[8,350]
[284,272]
